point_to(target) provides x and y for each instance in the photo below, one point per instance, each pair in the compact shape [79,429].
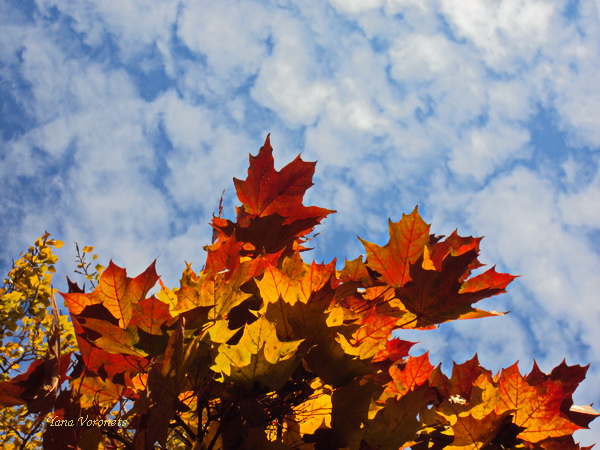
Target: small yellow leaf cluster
[83,266]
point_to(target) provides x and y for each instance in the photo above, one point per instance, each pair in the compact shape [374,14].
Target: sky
[123,122]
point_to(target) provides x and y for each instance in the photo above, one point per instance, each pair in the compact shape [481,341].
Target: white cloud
[134,26]
[446,77]
[509,101]
[580,208]
[528,235]
[232,36]
[508,33]
[356,6]
[289,81]
[421,58]
[186,125]
[486,149]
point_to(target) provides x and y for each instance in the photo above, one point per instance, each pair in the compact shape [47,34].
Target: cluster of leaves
[25,322]
[263,350]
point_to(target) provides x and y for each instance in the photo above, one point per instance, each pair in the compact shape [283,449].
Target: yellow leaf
[219,331]
[168,297]
[259,357]
[315,412]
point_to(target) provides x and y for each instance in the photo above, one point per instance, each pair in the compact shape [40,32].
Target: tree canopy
[261,349]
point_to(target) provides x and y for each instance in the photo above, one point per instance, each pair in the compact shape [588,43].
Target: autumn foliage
[262,350]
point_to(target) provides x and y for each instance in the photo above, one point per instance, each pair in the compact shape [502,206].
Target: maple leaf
[315,412]
[408,237]
[328,360]
[472,433]
[108,349]
[97,361]
[560,443]
[455,245]
[217,293]
[164,384]
[537,408]
[434,297]
[68,407]
[396,422]
[225,254]
[409,375]
[259,356]
[296,297]
[430,277]
[297,284]
[569,378]
[351,405]
[395,350]
[27,388]
[269,234]
[371,336]
[267,191]
[151,316]
[356,270]
[380,297]
[96,391]
[263,350]
[38,387]
[116,292]
[463,380]
[111,338]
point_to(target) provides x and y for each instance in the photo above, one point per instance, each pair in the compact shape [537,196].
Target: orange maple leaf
[408,237]
[537,408]
[116,292]
[409,374]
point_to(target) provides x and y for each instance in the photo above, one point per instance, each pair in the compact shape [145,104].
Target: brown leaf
[435,297]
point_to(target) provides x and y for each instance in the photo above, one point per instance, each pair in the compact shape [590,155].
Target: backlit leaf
[267,191]
[536,408]
[116,292]
[408,237]
[259,356]
[409,375]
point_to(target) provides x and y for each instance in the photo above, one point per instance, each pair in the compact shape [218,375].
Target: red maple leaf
[267,191]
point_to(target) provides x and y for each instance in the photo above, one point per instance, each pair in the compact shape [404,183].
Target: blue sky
[122,123]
